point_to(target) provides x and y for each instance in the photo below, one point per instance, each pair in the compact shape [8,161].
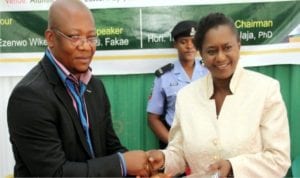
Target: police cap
[184,28]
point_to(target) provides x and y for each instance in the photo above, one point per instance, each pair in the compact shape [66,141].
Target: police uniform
[172,77]
[166,85]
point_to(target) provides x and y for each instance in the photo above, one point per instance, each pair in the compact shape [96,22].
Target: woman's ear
[175,44]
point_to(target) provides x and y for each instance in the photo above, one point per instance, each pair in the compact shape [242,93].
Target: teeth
[223,66]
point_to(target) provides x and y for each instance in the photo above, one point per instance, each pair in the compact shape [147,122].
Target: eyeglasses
[77,40]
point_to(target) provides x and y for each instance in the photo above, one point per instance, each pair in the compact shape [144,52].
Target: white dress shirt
[251,130]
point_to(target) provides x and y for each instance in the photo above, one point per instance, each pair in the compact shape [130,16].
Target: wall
[6,156]
[128,96]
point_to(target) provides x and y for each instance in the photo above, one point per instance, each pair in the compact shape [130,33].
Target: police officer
[172,77]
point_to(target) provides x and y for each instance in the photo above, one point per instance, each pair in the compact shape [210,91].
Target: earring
[202,63]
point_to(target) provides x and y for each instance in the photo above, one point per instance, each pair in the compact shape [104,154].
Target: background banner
[135,38]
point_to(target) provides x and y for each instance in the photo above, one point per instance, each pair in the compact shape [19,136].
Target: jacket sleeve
[274,159]
[35,133]
[174,157]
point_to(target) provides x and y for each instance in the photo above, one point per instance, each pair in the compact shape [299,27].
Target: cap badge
[193,31]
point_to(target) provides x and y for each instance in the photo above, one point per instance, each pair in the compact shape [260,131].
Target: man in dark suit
[59,114]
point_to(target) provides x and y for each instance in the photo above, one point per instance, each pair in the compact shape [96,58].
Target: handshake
[145,164]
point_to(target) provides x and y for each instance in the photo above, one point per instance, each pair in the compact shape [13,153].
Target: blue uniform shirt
[166,87]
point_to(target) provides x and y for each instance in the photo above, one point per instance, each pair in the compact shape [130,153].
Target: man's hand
[223,167]
[137,163]
[161,175]
[156,159]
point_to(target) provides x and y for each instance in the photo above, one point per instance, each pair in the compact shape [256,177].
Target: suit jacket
[46,133]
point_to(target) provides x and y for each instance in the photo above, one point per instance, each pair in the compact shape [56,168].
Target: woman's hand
[223,167]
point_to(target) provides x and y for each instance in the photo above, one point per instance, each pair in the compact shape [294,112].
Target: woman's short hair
[210,21]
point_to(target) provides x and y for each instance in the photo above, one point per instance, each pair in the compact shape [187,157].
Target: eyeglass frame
[77,40]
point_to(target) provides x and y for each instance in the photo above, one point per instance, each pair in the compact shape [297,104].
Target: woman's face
[185,48]
[220,51]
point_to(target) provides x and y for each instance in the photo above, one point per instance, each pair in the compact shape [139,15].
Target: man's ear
[49,36]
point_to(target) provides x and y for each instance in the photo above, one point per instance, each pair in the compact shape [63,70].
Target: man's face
[185,48]
[72,41]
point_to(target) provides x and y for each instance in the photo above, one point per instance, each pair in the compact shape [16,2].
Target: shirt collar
[177,67]
[64,73]
[180,73]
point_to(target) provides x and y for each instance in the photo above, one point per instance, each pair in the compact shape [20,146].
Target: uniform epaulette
[164,69]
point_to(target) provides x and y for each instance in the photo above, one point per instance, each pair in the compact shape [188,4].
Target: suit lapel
[65,99]
[67,102]
[90,98]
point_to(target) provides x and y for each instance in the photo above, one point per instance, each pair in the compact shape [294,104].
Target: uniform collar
[237,75]
[177,67]
[198,72]
[180,73]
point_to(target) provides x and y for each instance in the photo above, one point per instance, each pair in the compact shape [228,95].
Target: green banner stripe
[149,27]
